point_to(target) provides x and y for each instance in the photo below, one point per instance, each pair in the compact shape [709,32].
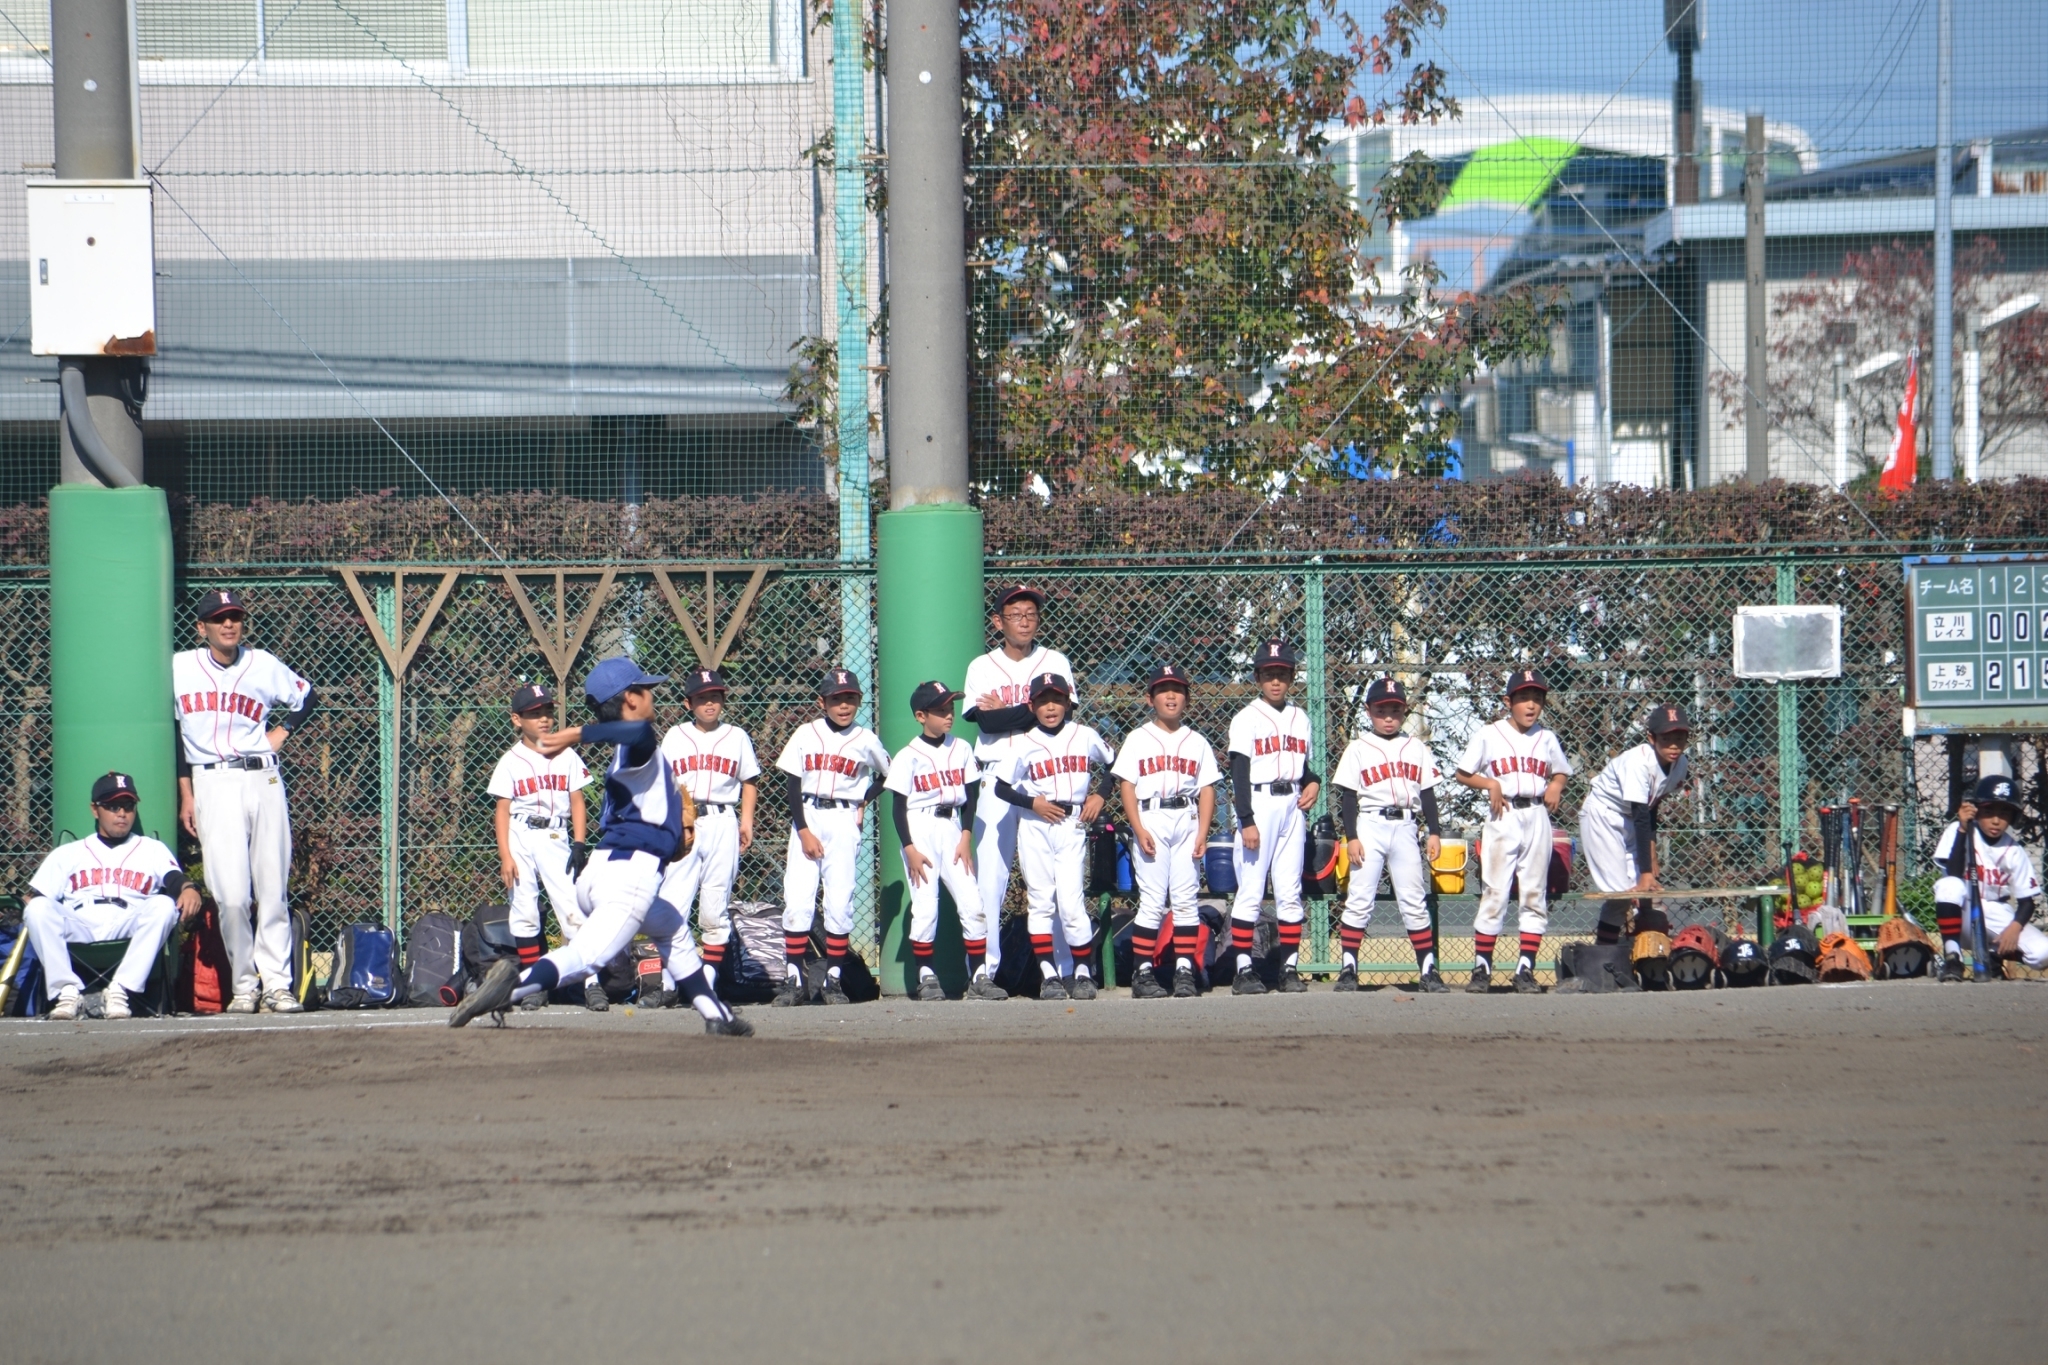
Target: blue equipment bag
[365,970]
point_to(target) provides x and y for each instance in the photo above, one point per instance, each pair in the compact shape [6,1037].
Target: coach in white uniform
[235,707]
[1522,769]
[1618,822]
[998,688]
[714,762]
[112,884]
[1384,780]
[1166,775]
[1271,788]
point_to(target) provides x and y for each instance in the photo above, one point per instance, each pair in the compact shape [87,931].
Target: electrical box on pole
[92,268]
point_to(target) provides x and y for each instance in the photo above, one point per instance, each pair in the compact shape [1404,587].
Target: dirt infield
[1811,1174]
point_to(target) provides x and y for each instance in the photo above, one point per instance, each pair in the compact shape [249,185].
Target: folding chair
[96,963]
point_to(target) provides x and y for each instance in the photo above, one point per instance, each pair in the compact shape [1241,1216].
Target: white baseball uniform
[996,822]
[712,766]
[1517,842]
[1389,776]
[2005,875]
[836,769]
[238,802]
[88,891]
[1055,856]
[933,781]
[540,790]
[1276,741]
[1168,769]
[1636,777]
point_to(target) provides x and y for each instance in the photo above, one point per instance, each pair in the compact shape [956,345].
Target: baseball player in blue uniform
[640,833]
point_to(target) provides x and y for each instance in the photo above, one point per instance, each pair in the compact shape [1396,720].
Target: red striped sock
[1424,943]
[977,951]
[1241,934]
[1187,943]
[794,946]
[1290,936]
[836,948]
[1144,944]
[1041,947]
[1482,947]
[1949,920]
[530,950]
[713,955]
[1530,943]
[922,951]
[1350,939]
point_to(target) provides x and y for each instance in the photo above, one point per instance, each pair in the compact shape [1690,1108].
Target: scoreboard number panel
[1979,623]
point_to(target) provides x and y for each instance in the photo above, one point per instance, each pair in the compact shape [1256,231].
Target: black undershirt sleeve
[174,883]
[1953,864]
[899,811]
[292,720]
[1011,794]
[1642,825]
[793,792]
[1308,775]
[1431,820]
[1003,720]
[2023,910]
[967,807]
[1347,812]
[1241,788]
[1105,785]
[875,789]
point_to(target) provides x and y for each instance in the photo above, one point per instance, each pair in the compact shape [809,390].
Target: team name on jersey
[234,703]
[832,763]
[1169,763]
[939,781]
[545,782]
[1279,744]
[1060,763]
[1383,772]
[141,883]
[1991,875]
[1518,763]
[1014,694]
[704,763]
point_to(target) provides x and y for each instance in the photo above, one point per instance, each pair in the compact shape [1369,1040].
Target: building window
[311,30]
[626,36]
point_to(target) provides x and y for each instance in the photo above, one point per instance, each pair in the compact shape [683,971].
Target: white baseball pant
[1169,878]
[1515,845]
[705,875]
[1388,846]
[938,838]
[839,829]
[1055,863]
[995,848]
[52,928]
[245,838]
[1998,917]
[1277,859]
[542,856]
[619,897]
[1610,855]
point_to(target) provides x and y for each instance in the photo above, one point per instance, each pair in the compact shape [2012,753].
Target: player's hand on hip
[1431,847]
[276,736]
[746,835]
[812,845]
[1046,810]
[508,870]
[1308,795]
[2009,941]
[1146,844]
[188,903]
[1091,808]
[1249,836]
[917,865]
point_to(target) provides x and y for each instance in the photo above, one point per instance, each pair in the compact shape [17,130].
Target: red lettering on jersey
[1063,763]
[234,703]
[1279,744]
[141,883]
[704,763]
[1517,763]
[831,763]
[939,781]
[1373,776]
[546,782]
[1168,763]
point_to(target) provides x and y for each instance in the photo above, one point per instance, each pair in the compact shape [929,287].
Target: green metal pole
[1314,656]
[1788,728]
[388,791]
[110,653]
[930,608]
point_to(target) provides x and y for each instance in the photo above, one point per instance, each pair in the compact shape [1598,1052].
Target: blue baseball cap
[613,676]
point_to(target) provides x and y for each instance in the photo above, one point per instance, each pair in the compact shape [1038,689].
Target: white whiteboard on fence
[1787,644]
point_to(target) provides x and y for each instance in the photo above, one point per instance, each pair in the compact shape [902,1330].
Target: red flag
[1904,460]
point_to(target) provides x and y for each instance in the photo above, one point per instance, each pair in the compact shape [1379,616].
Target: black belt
[1393,812]
[714,807]
[1067,806]
[544,822]
[1276,788]
[1524,802]
[1167,803]
[830,803]
[254,764]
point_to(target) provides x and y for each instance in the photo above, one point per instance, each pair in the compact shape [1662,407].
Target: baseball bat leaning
[1980,955]
[13,965]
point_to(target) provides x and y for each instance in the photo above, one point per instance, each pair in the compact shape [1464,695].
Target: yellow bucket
[1447,869]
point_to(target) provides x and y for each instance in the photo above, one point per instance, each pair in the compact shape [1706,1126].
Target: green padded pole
[930,611]
[110,653]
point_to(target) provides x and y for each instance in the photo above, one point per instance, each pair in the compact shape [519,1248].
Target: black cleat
[1481,982]
[1347,980]
[1184,987]
[1081,987]
[594,998]
[929,989]
[491,995]
[735,1027]
[1052,988]
[1432,983]
[1952,969]
[834,992]
[982,988]
[1291,982]
[1247,982]
[1145,986]
[1526,982]
[790,992]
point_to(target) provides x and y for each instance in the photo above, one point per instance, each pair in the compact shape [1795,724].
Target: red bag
[205,977]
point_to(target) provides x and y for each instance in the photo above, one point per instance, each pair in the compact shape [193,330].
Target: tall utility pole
[92,286]
[1756,380]
[929,600]
[1944,245]
[1682,34]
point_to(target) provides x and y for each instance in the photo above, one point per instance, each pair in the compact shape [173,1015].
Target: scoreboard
[1979,632]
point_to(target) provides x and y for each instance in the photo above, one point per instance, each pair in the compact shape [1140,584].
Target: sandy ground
[1816,1174]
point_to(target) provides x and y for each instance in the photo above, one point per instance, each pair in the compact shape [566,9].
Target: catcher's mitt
[1649,954]
[1695,957]
[689,821]
[1903,948]
[1842,959]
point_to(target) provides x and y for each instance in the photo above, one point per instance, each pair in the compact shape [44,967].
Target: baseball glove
[1903,948]
[1649,954]
[1842,959]
[689,821]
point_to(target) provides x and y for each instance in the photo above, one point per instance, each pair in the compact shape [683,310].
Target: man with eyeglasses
[235,707]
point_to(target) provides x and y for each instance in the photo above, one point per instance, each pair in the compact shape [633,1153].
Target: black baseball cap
[1273,653]
[219,602]
[1995,790]
[1167,675]
[1047,683]
[1668,720]
[1019,593]
[533,697]
[701,682]
[1522,679]
[1386,689]
[837,682]
[931,696]
[113,786]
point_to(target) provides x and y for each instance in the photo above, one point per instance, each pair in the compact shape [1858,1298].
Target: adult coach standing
[235,707]
[998,687]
